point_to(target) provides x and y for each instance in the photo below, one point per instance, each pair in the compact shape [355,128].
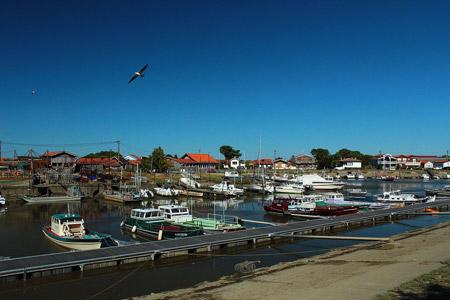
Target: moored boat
[68,231]
[73,194]
[227,189]
[150,222]
[180,214]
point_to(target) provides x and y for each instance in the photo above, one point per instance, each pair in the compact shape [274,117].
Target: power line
[60,145]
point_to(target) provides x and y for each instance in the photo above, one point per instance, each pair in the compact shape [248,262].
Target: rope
[117,282]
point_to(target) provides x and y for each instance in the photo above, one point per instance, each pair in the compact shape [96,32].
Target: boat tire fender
[133,229]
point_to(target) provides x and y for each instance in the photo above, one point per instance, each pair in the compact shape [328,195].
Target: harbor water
[20,235]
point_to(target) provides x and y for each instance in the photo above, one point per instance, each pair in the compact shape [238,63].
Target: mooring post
[81,268]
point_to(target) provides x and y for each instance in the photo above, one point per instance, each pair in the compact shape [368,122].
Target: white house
[351,163]
[428,165]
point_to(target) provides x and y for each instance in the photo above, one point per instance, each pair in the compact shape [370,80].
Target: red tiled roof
[200,158]
[55,153]
[263,161]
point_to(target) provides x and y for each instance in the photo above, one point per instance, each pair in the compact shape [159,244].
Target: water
[20,235]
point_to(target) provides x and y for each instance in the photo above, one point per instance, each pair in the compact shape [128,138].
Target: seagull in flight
[139,73]
[33,92]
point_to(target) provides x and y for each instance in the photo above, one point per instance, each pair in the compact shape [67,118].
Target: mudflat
[359,272]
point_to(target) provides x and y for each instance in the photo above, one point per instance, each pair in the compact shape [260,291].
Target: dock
[24,268]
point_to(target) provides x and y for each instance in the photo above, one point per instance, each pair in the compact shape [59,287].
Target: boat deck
[24,267]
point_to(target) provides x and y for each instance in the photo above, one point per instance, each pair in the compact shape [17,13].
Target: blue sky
[365,75]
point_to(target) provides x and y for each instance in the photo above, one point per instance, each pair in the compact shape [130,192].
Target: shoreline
[362,271]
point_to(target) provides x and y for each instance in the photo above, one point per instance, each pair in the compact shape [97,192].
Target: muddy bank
[361,272]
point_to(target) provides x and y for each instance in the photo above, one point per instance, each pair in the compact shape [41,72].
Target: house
[350,163]
[98,164]
[426,164]
[59,159]
[198,160]
[132,161]
[282,164]
[304,161]
[415,161]
[385,161]
[265,163]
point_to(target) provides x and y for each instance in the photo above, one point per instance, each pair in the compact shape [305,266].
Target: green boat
[212,223]
[150,222]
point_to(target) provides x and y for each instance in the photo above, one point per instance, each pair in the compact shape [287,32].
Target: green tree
[228,152]
[102,154]
[156,161]
[323,158]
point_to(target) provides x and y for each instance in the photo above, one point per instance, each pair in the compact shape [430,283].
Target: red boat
[324,211]
[278,207]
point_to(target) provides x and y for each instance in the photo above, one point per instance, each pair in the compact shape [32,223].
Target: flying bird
[33,92]
[139,73]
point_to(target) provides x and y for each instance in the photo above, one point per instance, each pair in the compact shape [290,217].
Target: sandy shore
[359,272]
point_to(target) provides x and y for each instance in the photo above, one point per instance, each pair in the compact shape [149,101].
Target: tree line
[326,160]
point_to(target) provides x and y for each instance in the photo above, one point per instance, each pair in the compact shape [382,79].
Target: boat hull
[50,199]
[169,230]
[72,243]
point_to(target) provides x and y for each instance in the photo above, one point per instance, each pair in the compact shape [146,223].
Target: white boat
[360,177]
[425,176]
[227,189]
[175,213]
[189,183]
[289,188]
[146,193]
[338,199]
[231,174]
[259,188]
[397,196]
[67,230]
[351,176]
[316,182]
[73,194]
[166,191]
[2,200]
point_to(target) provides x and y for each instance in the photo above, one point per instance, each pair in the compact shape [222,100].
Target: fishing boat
[122,196]
[151,222]
[279,206]
[180,214]
[227,189]
[267,188]
[73,194]
[337,199]
[166,191]
[397,196]
[289,188]
[68,231]
[189,182]
[316,182]
[323,211]
[356,194]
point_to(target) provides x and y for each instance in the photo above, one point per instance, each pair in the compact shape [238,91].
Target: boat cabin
[175,213]
[146,214]
[334,196]
[68,225]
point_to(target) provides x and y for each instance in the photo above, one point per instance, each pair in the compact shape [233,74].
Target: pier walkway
[33,266]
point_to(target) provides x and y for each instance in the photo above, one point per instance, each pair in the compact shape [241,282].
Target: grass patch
[434,285]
